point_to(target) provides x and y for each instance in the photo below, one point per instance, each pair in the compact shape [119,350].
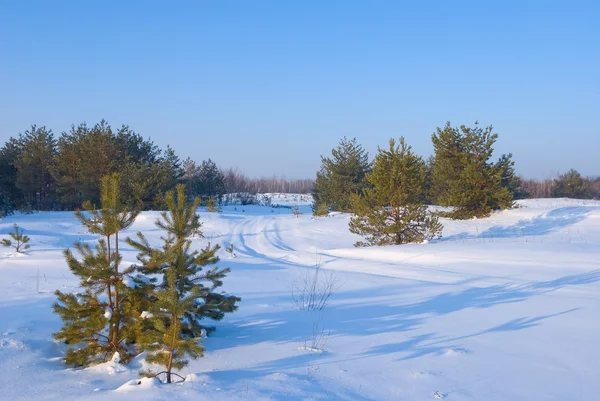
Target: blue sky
[269,86]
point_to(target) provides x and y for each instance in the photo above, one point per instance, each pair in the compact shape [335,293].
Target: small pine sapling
[229,250]
[212,206]
[166,344]
[296,211]
[320,209]
[91,319]
[187,293]
[103,316]
[20,241]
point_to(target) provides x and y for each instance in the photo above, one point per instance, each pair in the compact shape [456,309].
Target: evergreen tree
[341,175]
[88,315]
[572,185]
[510,180]
[187,293]
[190,177]
[85,155]
[462,175]
[99,273]
[206,180]
[10,194]
[212,180]
[165,342]
[166,174]
[391,209]
[133,148]
[19,241]
[38,150]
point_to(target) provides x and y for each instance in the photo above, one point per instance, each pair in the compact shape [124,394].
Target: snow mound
[455,352]
[111,367]
[144,383]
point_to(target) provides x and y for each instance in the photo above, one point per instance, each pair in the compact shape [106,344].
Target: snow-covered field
[504,308]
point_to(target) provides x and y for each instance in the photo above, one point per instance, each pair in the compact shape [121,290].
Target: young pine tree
[391,210]
[462,175]
[187,293]
[19,241]
[510,180]
[102,317]
[341,176]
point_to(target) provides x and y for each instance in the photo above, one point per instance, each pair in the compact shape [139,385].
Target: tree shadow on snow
[373,312]
[429,344]
[540,225]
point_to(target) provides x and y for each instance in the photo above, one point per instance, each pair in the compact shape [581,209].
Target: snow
[502,308]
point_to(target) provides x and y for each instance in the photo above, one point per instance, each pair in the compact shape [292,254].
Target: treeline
[460,173]
[40,171]
[388,196]
[238,182]
[568,185]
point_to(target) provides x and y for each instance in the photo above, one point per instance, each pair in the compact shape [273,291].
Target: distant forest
[42,171]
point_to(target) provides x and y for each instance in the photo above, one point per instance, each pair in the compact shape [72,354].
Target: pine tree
[187,293]
[85,155]
[462,175]
[89,317]
[165,342]
[19,241]
[33,168]
[320,209]
[206,180]
[10,195]
[572,185]
[212,180]
[99,273]
[341,176]
[391,210]
[510,180]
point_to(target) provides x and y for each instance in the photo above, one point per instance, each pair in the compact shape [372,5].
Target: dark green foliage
[206,181]
[99,274]
[572,185]
[320,209]
[6,206]
[187,293]
[461,174]
[19,241]
[85,155]
[165,342]
[341,176]
[94,325]
[11,197]
[510,180]
[39,173]
[391,209]
[38,151]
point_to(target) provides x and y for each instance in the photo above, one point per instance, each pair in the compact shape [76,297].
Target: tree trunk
[116,311]
[111,326]
[172,350]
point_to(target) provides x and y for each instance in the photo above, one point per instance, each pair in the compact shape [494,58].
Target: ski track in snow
[502,308]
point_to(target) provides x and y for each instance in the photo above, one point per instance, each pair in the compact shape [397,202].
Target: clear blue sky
[269,86]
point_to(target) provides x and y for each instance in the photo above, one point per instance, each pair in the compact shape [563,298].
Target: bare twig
[313,289]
